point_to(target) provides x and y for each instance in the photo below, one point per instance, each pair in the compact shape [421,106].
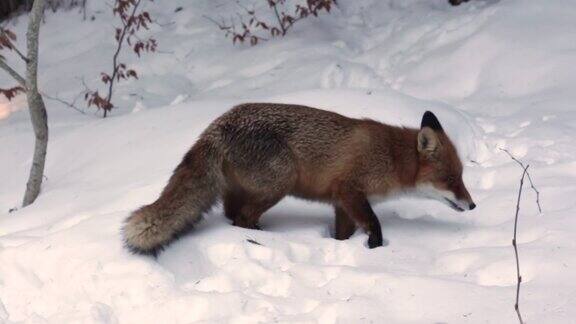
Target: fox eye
[450,180]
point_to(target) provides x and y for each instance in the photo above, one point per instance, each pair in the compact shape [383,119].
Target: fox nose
[472,206]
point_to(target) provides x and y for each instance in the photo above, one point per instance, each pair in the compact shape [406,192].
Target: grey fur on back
[257,132]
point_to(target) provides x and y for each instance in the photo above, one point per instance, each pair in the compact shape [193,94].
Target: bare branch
[69,104]
[220,25]
[529,178]
[515,245]
[22,56]
[280,22]
[525,174]
[7,39]
[4,66]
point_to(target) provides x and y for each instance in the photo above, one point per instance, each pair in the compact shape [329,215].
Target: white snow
[499,74]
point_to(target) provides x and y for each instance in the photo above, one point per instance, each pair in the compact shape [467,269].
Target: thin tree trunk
[36,106]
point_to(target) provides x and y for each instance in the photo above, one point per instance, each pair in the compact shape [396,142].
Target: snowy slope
[499,74]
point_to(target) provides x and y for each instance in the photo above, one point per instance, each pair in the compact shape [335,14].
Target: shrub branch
[250,28]
[132,21]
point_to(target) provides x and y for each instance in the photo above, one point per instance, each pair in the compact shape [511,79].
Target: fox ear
[427,140]
[430,120]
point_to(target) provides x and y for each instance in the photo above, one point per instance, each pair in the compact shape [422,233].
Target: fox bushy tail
[193,189]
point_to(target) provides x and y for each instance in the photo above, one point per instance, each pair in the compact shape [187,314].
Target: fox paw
[248,226]
[375,241]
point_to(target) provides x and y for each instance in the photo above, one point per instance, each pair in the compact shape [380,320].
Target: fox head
[439,174]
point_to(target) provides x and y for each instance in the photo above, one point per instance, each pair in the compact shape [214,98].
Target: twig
[13,46]
[280,22]
[19,78]
[22,56]
[529,178]
[69,104]
[220,25]
[525,174]
[518,276]
[249,240]
[230,30]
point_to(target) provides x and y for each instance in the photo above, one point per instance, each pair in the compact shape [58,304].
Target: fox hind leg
[250,213]
[344,226]
[242,211]
[260,170]
[233,202]
[251,193]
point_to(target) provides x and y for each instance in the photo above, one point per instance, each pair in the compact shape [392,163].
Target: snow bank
[497,73]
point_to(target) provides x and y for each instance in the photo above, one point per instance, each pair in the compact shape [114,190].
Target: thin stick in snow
[519,277]
[529,178]
[514,241]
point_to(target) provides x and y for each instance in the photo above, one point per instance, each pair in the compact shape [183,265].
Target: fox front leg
[356,206]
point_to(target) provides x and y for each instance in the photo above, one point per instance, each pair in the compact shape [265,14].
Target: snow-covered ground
[499,74]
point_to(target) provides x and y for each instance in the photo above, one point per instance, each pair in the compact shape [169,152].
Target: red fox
[257,153]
